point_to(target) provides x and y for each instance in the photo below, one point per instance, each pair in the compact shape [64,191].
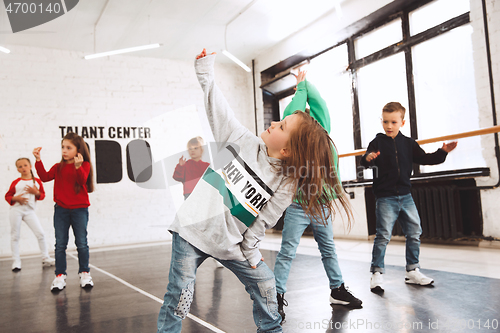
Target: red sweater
[190,173]
[64,184]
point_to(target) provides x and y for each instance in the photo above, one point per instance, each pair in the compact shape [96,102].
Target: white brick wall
[42,89]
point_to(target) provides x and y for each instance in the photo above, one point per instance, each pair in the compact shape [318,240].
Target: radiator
[439,210]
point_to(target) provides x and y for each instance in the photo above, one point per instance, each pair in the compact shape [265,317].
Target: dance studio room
[241,166]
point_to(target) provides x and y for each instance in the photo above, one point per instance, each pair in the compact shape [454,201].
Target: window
[445,96]
[378,39]
[436,12]
[429,70]
[328,73]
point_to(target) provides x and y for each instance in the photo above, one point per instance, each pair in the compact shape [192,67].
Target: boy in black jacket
[391,156]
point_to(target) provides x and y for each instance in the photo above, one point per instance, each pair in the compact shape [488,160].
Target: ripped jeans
[186,259]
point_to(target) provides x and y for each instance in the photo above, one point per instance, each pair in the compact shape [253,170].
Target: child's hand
[254,267]
[300,77]
[203,54]
[32,190]
[371,156]
[78,161]
[19,198]
[447,147]
[182,161]
[36,153]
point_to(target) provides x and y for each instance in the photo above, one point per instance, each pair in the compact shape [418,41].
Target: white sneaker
[16,266]
[47,262]
[85,280]
[416,277]
[59,282]
[376,282]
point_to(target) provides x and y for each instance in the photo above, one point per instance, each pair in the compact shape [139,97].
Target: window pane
[327,72]
[445,94]
[378,39]
[283,103]
[435,13]
[379,83]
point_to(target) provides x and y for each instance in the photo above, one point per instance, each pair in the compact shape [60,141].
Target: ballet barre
[487,130]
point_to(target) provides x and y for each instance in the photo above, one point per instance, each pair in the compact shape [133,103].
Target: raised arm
[319,110]
[82,173]
[225,126]
[298,101]
[421,157]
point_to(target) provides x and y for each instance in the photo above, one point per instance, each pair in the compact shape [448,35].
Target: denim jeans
[186,259]
[77,219]
[388,210]
[296,222]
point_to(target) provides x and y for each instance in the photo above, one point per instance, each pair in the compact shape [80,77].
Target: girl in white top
[22,196]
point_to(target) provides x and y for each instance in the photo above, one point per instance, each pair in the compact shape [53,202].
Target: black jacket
[393,167]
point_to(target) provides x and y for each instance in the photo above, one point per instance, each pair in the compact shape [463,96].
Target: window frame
[381,17]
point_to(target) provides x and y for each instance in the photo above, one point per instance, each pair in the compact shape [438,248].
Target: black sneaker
[343,296]
[282,302]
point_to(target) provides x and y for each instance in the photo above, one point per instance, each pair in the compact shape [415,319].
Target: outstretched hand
[371,156]
[301,76]
[182,161]
[203,54]
[447,147]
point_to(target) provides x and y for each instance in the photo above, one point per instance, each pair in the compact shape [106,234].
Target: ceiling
[245,27]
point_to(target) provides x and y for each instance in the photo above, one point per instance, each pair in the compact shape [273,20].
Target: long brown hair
[32,175]
[311,165]
[81,148]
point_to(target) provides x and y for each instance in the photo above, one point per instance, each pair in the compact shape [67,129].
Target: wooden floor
[130,283]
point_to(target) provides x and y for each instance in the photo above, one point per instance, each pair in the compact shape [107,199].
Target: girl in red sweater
[72,184]
[22,197]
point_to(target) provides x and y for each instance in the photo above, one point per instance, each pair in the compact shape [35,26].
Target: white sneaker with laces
[85,280]
[376,282]
[416,277]
[59,282]
[47,262]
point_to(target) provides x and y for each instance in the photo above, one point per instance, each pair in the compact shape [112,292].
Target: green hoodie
[307,92]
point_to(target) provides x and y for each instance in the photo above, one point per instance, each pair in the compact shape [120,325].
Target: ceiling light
[130,49]
[236,60]
[3,49]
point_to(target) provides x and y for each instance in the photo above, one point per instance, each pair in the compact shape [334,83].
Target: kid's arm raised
[225,126]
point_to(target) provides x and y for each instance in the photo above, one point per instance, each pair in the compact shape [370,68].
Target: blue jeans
[78,219]
[296,222]
[388,210]
[186,259]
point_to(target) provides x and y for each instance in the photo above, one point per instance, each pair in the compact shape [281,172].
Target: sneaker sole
[377,289]
[339,302]
[88,285]
[409,281]
[47,264]
[56,288]
[17,269]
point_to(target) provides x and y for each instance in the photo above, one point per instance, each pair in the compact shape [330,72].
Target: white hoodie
[231,207]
